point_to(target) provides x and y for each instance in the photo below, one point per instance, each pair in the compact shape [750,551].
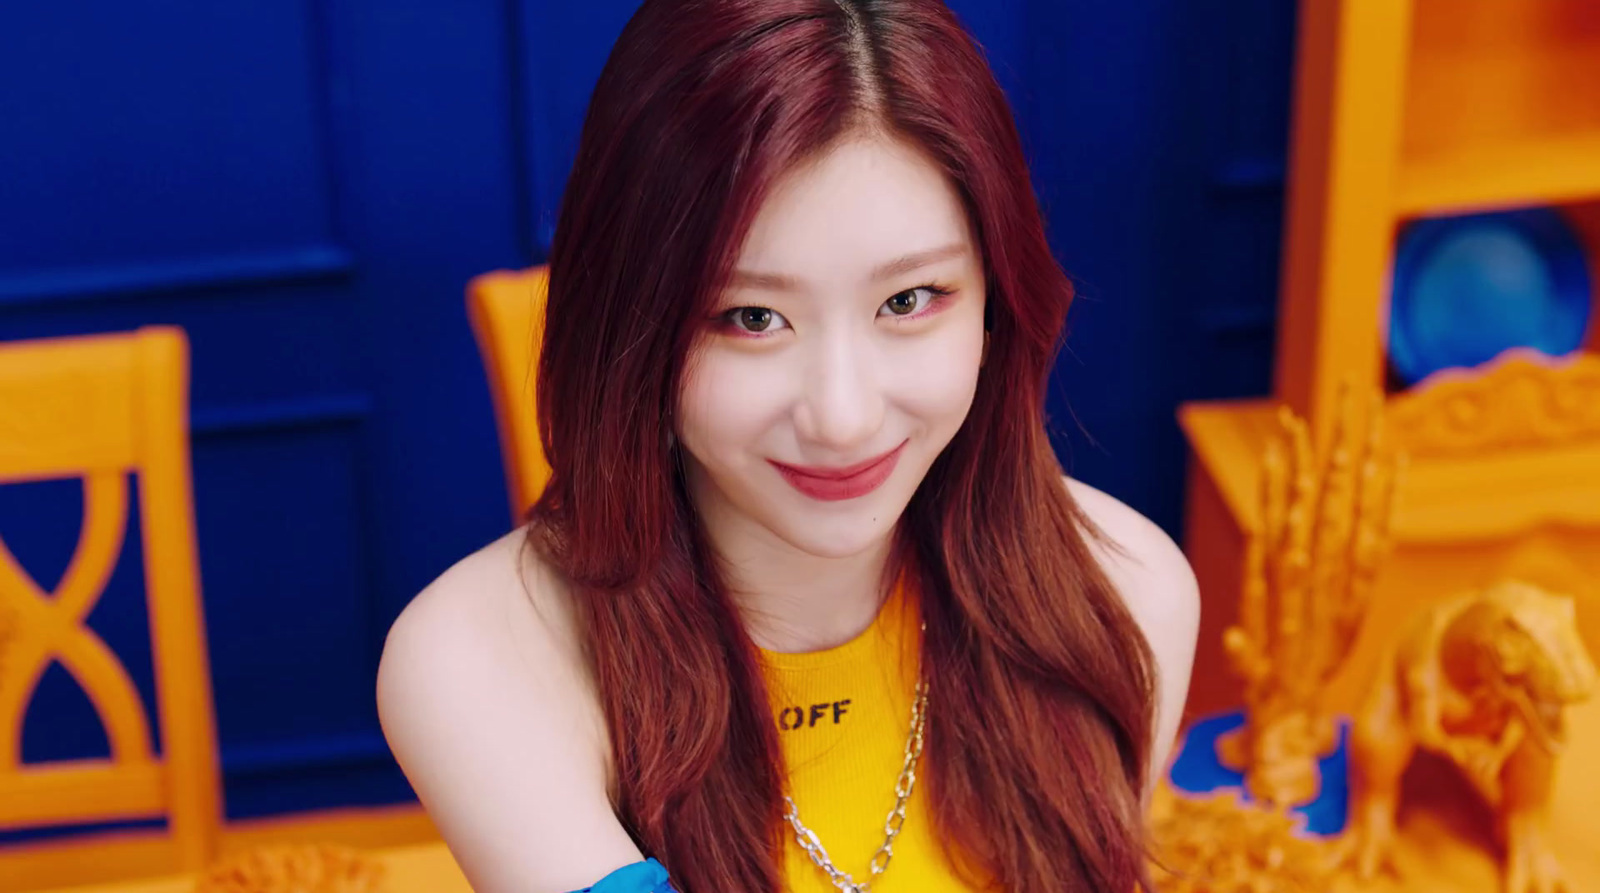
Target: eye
[754,320]
[913,301]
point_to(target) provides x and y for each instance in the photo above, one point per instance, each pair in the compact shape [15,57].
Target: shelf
[1228,437]
[1443,500]
[1501,106]
[1508,173]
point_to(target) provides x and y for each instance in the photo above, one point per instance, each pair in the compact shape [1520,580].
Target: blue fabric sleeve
[640,877]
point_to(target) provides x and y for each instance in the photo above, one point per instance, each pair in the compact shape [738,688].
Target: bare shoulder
[1159,587]
[1143,561]
[490,711]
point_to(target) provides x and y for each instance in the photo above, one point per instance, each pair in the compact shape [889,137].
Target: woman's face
[842,358]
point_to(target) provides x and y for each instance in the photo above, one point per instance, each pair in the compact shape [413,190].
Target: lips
[847,482]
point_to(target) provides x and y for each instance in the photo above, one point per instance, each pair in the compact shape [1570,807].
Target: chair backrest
[507,312]
[102,408]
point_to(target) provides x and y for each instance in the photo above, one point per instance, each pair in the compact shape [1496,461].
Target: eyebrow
[898,266]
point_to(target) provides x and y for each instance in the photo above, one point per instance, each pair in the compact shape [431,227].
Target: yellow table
[1444,847]
[423,868]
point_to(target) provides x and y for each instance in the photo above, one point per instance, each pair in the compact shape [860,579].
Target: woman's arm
[1161,592]
[494,722]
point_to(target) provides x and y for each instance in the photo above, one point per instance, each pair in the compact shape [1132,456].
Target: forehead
[865,200]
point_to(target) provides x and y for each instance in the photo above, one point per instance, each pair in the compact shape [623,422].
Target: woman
[806,559]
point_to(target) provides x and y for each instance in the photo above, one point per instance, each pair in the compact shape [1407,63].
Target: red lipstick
[849,482]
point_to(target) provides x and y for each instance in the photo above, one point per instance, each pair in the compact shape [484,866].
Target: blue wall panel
[287,641]
[306,186]
[202,118]
[1143,115]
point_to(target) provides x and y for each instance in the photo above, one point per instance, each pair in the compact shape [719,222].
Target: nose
[841,403]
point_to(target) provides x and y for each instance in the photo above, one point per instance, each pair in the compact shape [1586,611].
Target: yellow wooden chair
[507,312]
[101,408]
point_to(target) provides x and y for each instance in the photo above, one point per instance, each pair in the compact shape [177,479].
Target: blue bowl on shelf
[1468,288]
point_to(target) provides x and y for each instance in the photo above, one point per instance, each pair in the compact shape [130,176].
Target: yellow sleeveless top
[843,717]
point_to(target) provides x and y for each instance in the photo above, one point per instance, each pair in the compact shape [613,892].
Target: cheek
[939,375]
[726,404]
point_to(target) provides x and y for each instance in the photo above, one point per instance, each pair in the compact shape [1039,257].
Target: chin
[840,532]
[836,540]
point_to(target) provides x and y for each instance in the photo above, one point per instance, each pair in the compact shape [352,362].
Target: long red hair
[1041,685]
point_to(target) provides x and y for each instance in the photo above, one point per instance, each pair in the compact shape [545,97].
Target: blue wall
[306,187]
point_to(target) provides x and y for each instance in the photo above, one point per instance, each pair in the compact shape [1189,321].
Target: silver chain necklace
[897,817]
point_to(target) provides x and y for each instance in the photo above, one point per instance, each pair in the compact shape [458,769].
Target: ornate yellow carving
[1310,569]
[1519,400]
[294,869]
[1216,842]
[1483,679]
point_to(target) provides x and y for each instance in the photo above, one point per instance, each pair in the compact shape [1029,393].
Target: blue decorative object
[639,877]
[1468,288]
[1197,771]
